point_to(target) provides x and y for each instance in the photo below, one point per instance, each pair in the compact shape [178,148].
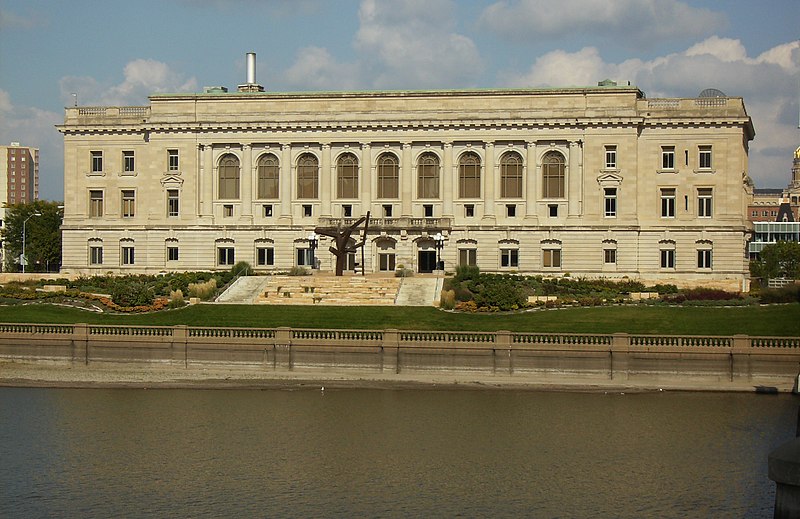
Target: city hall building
[597,181]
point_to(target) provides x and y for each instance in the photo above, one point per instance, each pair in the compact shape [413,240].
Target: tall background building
[19,178]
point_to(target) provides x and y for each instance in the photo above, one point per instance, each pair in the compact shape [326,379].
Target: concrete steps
[419,291]
[243,291]
[329,290]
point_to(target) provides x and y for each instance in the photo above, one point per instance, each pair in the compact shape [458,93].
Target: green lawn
[780,320]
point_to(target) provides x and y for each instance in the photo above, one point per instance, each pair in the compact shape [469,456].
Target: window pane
[229,177]
[307,176]
[347,176]
[268,171]
[469,176]
[553,168]
[428,176]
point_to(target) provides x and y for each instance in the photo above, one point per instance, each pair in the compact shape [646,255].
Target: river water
[387,453]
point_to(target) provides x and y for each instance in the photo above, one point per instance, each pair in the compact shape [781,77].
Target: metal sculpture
[341,238]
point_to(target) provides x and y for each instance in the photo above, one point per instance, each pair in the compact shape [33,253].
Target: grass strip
[777,320]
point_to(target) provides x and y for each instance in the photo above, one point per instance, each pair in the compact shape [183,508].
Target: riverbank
[54,375]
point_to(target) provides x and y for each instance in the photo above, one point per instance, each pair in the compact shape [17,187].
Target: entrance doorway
[427,261]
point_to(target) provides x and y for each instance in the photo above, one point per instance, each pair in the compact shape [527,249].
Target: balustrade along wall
[526,356]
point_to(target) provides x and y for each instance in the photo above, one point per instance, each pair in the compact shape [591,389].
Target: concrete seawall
[582,360]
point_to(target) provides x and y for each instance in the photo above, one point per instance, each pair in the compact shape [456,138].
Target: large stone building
[19,179]
[597,181]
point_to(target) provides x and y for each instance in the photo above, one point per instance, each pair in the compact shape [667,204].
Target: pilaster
[448,172]
[285,182]
[575,181]
[530,177]
[326,184]
[488,183]
[406,180]
[246,183]
[366,175]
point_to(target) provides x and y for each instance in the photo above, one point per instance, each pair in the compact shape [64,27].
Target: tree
[42,236]
[778,260]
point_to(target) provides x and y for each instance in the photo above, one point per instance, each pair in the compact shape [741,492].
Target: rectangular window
[387,211]
[668,203]
[97,161]
[225,256]
[469,210]
[128,164]
[553,210]
[754,213]
[173,203]
[307,210]
[511,210]
[427,209]
[704,202]
[667,258]
[267,210]
[127,255]
[609,256]
[509,257]
[704,258]
[128,203]
[347,211]
[551,258]
[668,157]
[95,203]
[304,257]
[467,257]
[172,160]
[704,158]
[610,202]
[611,157]
[265,256]
[227,210]
[95,255]
[386,261]
[172,253]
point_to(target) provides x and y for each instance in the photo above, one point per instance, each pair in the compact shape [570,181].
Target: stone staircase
[329,290]
[244,290]
[322,289]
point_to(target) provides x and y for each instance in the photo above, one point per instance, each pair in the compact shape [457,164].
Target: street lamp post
[313,240]
[24,223]
[438,241]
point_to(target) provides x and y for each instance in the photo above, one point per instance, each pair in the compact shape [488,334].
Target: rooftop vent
[607,83]
[215,90]
[251,85]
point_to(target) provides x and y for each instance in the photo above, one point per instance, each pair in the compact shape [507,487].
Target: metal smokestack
[251,68]
[251,85]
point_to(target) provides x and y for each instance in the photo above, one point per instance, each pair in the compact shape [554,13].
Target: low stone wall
[533,357]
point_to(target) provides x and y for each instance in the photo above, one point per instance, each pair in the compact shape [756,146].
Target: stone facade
[594,181]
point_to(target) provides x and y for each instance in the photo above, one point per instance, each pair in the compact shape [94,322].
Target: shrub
[787,294]
[403,272]
[299,271]
[176,299]
[448,299]
[467,272]
[203,290]
[709,294]
[242,268]
[132,292]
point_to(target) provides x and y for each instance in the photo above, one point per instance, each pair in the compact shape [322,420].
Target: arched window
[307,176]
[229,177]
[469,175]
[428,176]
[511,175]
[268,172]
[347,176]
[553,166]
[388,176]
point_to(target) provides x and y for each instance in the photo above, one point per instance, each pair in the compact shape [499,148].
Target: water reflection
[382,453]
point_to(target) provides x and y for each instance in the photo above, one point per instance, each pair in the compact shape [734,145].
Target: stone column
[366,174]
[488,183]
[207,196]
[448,172]
[325,185]
[531,172]
[286,181]
[406,180]
[575,180]
[246,182]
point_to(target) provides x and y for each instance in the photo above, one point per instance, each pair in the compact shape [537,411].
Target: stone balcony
[386,224]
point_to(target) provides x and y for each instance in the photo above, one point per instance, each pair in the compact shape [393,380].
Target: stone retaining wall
[534,357]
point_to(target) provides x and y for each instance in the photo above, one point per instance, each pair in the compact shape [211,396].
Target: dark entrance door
[427,261]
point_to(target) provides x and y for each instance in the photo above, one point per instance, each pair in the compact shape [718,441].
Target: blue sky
[117,52]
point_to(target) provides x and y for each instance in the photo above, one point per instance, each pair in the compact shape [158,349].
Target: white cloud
[632,22]
[9,21]
[768,84]
[414,44]
[142,78]
[315,68]
[36,128]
